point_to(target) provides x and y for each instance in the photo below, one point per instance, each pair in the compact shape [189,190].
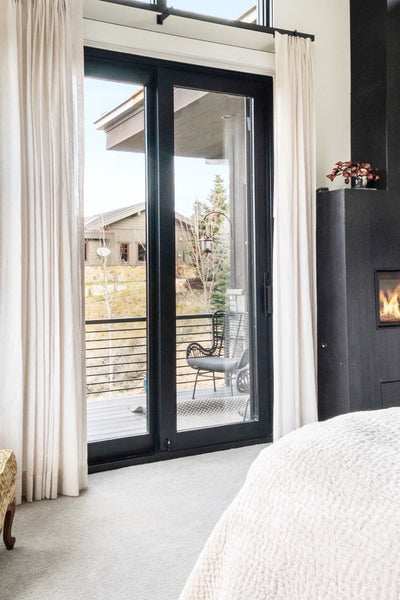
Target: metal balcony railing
[116,353]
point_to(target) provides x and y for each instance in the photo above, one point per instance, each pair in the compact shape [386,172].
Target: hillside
[120,291]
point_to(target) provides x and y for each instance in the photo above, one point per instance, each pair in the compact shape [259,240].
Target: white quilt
[318,518]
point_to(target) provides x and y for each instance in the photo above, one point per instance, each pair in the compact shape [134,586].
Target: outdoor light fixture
[206,244]
[207,241]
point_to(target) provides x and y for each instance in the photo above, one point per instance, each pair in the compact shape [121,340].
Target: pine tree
[211,220]
[219,205]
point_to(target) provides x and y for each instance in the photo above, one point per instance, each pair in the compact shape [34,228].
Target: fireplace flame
[389,305]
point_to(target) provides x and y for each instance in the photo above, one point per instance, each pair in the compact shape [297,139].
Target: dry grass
[126,292]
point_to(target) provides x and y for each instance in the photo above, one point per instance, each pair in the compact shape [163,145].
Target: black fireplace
[358,300]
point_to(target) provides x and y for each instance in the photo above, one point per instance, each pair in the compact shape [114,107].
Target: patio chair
[228,352]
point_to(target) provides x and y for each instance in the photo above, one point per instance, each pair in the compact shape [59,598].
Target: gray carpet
[135,533]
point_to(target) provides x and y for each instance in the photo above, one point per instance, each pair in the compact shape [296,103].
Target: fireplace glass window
[388,297]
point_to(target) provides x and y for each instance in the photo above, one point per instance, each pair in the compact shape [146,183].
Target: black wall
[375,86]
[393,94]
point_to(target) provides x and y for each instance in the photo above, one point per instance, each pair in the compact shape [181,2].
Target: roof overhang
[194,137]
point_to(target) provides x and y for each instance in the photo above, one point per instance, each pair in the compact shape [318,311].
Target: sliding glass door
[179,336]
[213,137]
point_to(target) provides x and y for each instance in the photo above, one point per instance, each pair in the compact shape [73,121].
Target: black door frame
[159,78]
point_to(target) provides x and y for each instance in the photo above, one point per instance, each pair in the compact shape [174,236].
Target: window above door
[243,13]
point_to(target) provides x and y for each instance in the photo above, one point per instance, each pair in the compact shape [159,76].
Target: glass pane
[213,290]
[235,10]
[389,297]
[115,259]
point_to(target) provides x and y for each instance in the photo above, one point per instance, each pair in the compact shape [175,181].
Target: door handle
[267,289]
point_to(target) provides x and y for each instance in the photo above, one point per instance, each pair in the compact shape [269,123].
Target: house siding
[131,231]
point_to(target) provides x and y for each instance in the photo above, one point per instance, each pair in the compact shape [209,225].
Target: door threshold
[165,455]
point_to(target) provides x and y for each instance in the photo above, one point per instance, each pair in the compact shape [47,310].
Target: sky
[227,9]
[115,179]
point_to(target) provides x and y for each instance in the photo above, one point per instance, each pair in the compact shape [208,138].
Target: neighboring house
[123,232]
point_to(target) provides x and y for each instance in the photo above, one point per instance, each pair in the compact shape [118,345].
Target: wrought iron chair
[228,352]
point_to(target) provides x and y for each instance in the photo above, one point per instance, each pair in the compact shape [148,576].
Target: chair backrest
[230,333]
[218,331]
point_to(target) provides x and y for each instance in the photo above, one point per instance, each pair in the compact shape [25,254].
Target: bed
[318,518]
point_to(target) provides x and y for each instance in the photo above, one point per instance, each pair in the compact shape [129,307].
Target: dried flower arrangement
[362,172]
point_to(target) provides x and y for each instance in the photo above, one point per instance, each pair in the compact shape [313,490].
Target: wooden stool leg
[8,521]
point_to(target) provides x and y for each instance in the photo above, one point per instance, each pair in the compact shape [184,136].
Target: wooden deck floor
[125,416]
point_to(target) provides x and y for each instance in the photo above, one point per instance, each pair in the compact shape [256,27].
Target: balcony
[116,377]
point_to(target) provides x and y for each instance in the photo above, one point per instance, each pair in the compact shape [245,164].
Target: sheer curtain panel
[42,402]
[294,257]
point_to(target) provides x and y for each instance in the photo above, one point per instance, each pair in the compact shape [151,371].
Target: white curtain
[42,401]
[294,257]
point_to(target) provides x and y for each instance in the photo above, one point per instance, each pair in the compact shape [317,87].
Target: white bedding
[317,518]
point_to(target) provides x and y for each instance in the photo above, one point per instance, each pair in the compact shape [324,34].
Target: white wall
[132,30]
[330,22]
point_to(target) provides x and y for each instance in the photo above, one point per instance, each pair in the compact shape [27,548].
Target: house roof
[108,218]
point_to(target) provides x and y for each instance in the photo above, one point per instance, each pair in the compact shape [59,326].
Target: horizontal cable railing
[116,352]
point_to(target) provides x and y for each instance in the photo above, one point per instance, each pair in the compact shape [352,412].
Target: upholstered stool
[8,473]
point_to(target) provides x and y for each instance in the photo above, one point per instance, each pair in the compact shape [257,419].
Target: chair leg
[247,406]
[195,383]
[8,521]
[215,389]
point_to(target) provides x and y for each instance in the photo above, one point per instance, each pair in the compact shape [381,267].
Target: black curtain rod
[164,13]
[295,33]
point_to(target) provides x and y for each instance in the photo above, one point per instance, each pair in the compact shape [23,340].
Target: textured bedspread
[317,518]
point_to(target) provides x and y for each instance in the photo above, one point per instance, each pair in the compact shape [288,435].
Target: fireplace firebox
[388,298]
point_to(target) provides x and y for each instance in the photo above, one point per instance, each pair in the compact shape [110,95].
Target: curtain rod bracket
[161,17]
